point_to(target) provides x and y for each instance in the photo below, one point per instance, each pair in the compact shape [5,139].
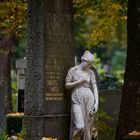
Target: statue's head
[87,59]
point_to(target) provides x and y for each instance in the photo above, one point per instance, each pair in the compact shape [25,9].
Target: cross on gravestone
[50,54]
[20,65]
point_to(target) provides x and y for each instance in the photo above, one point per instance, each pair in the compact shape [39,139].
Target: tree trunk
[9,89]
[5,71]
[5,81]
[129,118]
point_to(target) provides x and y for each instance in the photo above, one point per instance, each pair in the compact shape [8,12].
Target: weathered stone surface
[34,96]
[50,54]
[59,56]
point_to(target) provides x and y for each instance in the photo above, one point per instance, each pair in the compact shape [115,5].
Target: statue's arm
[96,98]
[69,83]
[95,92]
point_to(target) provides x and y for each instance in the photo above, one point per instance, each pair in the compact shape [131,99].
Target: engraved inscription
[54,76]
[57,56]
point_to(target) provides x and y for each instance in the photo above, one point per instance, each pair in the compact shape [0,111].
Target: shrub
[14,123]
[3,136]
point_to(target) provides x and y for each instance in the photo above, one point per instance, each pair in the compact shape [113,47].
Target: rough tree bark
[129,118]
[5,70]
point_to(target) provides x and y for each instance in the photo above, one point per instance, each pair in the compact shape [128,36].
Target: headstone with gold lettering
[50,54]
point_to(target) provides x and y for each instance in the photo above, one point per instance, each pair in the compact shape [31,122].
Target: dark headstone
[20,106]
[111,105]
[59,57]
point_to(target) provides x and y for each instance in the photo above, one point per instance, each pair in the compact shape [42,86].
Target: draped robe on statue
[82,103]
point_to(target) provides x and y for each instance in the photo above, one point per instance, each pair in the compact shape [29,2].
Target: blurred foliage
[12,17]
[105,132]
[14,102]
[97,65]
[3,136]
[21,50]
[104,115]
[110,82]
[118,65]
[22,133]
[14,89]
[14,81]
[105,16]
[14,123]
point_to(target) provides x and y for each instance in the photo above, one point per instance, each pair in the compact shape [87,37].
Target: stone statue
[84,98]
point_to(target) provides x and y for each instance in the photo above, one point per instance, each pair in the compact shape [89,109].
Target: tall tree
[5,70]
[13,22]
[129,118]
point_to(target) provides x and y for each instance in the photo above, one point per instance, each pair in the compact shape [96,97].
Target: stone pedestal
[50,54]
[20,65]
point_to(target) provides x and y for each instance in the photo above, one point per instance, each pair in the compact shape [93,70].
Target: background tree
[5,78]
[105,16]
[13,17]
[129,118]
[12,26]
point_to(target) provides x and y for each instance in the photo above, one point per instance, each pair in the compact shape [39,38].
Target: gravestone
[50,54]
[111,105]
[20,65]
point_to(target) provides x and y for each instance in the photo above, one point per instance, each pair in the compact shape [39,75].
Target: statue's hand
[81,80]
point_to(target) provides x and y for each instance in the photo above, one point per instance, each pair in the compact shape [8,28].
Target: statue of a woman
[84,98]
